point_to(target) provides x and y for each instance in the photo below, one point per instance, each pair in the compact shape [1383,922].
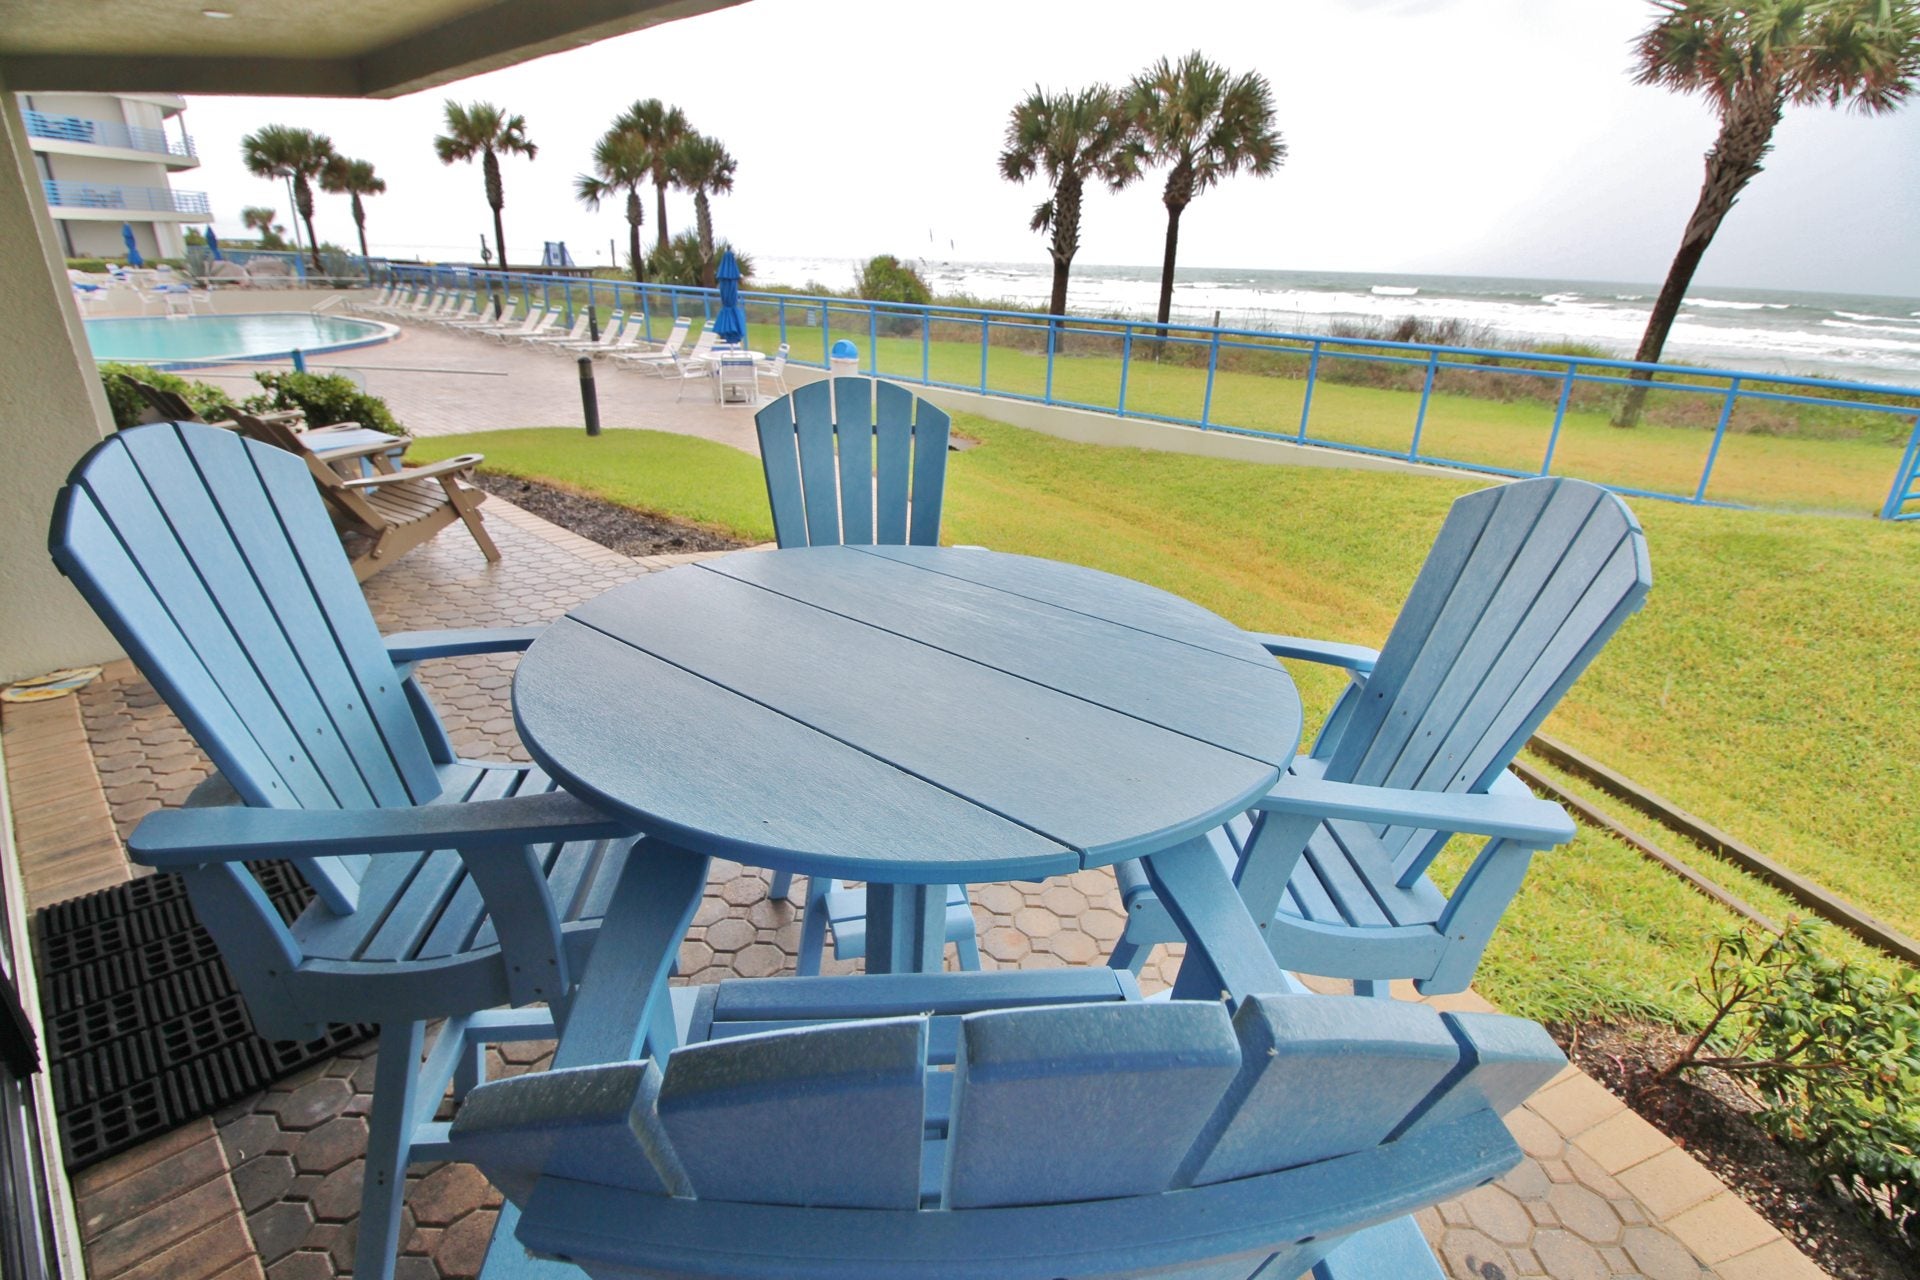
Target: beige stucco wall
[51,411]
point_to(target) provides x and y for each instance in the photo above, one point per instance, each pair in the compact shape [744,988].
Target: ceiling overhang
[315,48]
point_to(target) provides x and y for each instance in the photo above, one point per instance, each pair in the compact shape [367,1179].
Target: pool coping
[386,333]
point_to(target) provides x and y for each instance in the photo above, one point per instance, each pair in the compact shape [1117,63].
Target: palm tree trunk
[360,225]
[1746,133]
[1066,238]
[703,222]
[497,198]
[1166,262]
[660,212]
[303,198]
[633,236]
[1058,306]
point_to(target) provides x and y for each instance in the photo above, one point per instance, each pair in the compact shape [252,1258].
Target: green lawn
[1767,685]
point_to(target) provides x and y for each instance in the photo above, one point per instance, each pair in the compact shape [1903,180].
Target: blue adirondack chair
[445,888]
[856,461]
[1021,1126]
[1523,586]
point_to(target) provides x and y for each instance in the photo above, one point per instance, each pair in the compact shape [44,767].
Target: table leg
[906,928]
[626,976]
[1226,955]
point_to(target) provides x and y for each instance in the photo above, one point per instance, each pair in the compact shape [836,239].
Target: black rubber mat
[144,1028]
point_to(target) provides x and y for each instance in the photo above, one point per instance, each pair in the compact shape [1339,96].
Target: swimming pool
[164,340]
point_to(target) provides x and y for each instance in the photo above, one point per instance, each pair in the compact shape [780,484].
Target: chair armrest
[1525,820]
[465,462]
[348,452]
[1353,657]
[236,833]
[418,646]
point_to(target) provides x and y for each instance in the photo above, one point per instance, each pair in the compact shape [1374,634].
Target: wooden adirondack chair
[884,488]
[393,512]
[1522,588]
[445,887]
[1021,1126]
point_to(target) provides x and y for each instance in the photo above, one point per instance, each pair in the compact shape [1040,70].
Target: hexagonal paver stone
[302,1266]
[745,890]
[1000,899]
[761,960]
[525,1052]
[1469,1253]
[312,1104]
[415,1268]
[249,1136]
[1036,922]
[338,1196]
[1102,925]
[1064,901]
[1005,944]
[1568,1257]
[338,1239]
[279,1229]
[262,1180]
[448,1194]
[1499,1214]
[1584,1213]
[464,1247]
[1659,1256]
[728,935]
[333,1144]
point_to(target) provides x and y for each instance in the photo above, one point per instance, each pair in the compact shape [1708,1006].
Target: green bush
[884,278]
[92,266]
[1833,1051]
[681,260]
[212,403]
[325,398]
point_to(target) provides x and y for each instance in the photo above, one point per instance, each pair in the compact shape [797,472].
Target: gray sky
[1485,137]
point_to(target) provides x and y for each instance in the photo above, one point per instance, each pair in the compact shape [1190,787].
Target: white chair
[537,322]
[612,335]
[774,370]
[665,361]
[736,379]
[578,333]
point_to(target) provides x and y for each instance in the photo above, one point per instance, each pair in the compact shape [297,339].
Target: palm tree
[260,218]
[482,129]
[353,178]
[701,165]
[1072,137]
[621,162]
[1206,124]
[1751,59]
[660,129]
[280,151]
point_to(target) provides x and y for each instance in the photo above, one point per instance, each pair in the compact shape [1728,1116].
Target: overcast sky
[1483,137]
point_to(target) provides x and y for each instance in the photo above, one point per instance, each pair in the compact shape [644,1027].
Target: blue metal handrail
[88,195]
[106,133]
[874,320]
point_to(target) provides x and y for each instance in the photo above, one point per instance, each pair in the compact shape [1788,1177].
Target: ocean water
[1858,338]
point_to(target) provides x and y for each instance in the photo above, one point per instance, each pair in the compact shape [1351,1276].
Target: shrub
[211,403]
[92,266]
[884,278]
[325,398]
[1833,1051]
[680,261]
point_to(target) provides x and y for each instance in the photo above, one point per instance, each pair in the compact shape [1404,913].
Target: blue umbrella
[731,324]
[213,246]
[133,250]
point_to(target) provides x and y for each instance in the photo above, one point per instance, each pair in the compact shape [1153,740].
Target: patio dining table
[912,717]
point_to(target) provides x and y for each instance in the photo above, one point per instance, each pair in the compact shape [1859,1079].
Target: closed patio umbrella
[213,246]
[731,323]
[133,250]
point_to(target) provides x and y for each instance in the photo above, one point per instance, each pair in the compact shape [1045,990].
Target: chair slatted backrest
[361,515]
[212,560]
[1523,586]
[854,461]
[1048,1105]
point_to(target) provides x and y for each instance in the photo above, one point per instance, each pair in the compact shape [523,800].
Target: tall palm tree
[484,130]
[1205,124]
[621,162]
[1071,137]
[281,151]
[701,165]
[259,218]
[660,129]
[1752,59]
[354,178]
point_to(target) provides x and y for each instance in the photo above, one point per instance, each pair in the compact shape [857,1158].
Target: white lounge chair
[663,361]
[577,333]
[612,335]
[536,323]
[511,325]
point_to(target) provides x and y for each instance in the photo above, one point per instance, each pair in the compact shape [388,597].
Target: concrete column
[52,410]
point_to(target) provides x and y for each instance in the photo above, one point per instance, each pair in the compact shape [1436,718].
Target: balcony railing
[107,133]
[87,195]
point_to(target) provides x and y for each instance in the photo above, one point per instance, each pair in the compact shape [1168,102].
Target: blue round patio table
[906,716]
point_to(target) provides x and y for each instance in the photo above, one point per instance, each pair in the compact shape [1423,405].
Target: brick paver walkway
[1600,1193]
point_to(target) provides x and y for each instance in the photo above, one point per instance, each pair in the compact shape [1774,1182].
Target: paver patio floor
[271,1185]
